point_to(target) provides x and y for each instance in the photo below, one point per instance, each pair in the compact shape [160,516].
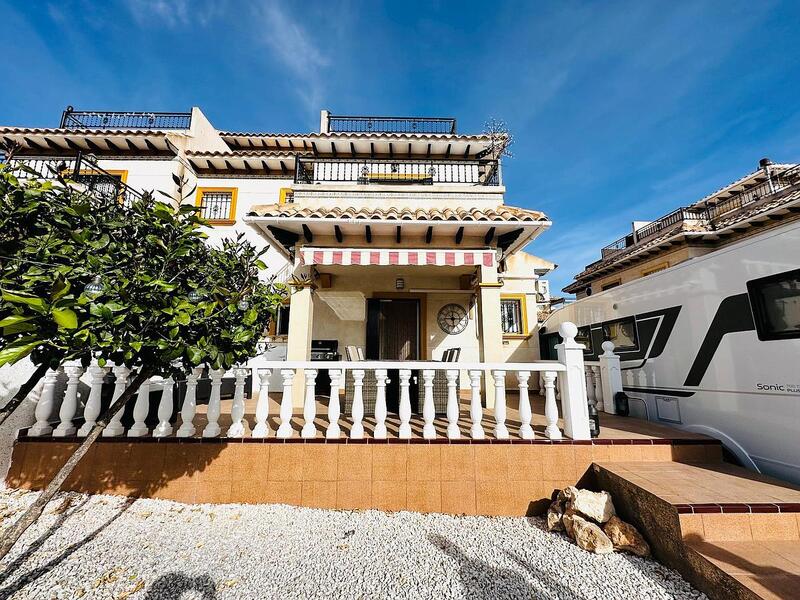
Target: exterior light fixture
[195,296]
[243,304]
[399,283]
[95,287]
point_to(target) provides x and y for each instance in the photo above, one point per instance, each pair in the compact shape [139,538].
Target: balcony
[86,119]
[398,171]
[424,125]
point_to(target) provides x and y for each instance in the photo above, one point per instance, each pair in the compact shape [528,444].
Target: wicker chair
[440,383]
[369,390]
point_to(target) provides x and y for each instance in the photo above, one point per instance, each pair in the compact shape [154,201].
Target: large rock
[590,537]
[596,506]
[554,514]
[567,520]
[625,537]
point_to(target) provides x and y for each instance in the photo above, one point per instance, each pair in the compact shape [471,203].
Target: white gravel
[111,547]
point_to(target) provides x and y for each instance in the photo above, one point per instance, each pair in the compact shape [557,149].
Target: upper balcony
[393,171]
[90,119]
[362,124]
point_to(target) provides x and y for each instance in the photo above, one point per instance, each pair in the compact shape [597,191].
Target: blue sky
[621,110]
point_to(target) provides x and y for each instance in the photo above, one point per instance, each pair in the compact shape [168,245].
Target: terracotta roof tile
[502,214]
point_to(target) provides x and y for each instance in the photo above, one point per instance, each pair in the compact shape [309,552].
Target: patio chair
[369,391]
[440,383]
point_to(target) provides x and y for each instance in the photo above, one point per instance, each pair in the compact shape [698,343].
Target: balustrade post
[140,409]
[405,405]
[475,407]
[261,430]
[165,406]
[380,404]
[237,428]
[500,429]
[590,397]
[285,428]
[213,411]
[611,376]
[189,408]
[334,411]
[309,430]
[92,409]
[598,388]
[453,432]
[357,410]
[44,406]
[69,406]
[550,407]
[428,408]
[525,429]
[114,427]
[574,404]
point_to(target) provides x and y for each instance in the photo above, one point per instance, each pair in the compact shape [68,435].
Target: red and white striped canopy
[352,256]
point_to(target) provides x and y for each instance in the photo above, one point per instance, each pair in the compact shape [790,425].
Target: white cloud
[175,13]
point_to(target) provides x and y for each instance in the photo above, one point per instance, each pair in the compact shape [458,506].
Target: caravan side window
[585,337]
[622,333]
[776,305]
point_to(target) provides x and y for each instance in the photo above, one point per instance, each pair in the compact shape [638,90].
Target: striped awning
[359,256]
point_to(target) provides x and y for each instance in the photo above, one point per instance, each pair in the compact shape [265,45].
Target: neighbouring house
[392,232]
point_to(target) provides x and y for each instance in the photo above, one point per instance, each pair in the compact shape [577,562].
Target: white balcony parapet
[569,374]
[114,427]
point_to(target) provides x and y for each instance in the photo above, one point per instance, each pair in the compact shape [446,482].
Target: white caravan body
[701,360]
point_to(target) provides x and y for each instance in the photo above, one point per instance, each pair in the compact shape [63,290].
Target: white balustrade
[405,405]
[573,385]
[611,373]
[380,404]
[189,408]
[475,407]
[500,429]
[237,428]
[550,408]
[213,411]
[44,407]
[114,427]
[357,410]
[598,388]
[140,409]
[165,406]
[309,430]
[334,411]
[453,432]
[590,397]
[261,430]
[525,415]
[92,409]
[69,405]
[285,428]
[428,408]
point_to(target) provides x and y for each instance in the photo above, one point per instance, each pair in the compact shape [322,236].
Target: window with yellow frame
[99,181]
[217,205]
[513,315]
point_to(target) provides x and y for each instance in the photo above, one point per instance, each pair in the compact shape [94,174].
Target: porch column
[298,347]
[491,330]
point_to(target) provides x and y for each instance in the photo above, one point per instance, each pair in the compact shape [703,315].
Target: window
[585,337]
[655,269]
[109,184]
[282,321]
[776,305]
[610,284]
[512,315]
[217,205]
[622,333]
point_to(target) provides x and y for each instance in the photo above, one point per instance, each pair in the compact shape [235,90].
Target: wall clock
[452,318]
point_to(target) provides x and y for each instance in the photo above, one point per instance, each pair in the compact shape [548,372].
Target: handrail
[364,124]
[93,119]
[369,365]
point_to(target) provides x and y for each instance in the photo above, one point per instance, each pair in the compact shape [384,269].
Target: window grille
[511,315]
[216,206]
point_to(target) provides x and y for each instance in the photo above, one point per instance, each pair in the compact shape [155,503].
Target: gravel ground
[111,547]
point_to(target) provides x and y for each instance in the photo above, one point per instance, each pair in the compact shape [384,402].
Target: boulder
[554,514]
[625,537]
[596,506]
[590,537]
[567,520]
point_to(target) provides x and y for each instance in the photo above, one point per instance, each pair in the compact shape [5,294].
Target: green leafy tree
[165,300]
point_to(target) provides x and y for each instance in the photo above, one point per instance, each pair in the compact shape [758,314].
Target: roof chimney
[324,121]
[764,162]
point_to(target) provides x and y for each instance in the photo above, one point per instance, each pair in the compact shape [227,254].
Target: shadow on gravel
[480,579]
[174,585]
[18,562]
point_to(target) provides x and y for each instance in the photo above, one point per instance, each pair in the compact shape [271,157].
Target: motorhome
[703,307]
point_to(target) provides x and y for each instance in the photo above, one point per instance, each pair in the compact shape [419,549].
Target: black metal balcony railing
[709,214]
[345,124]
[394,171]
[80,169]
[87,119]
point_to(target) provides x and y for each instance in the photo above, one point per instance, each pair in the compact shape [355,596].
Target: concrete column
[491,329]
[301,319]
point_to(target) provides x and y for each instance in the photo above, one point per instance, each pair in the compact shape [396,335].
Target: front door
[393,333]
